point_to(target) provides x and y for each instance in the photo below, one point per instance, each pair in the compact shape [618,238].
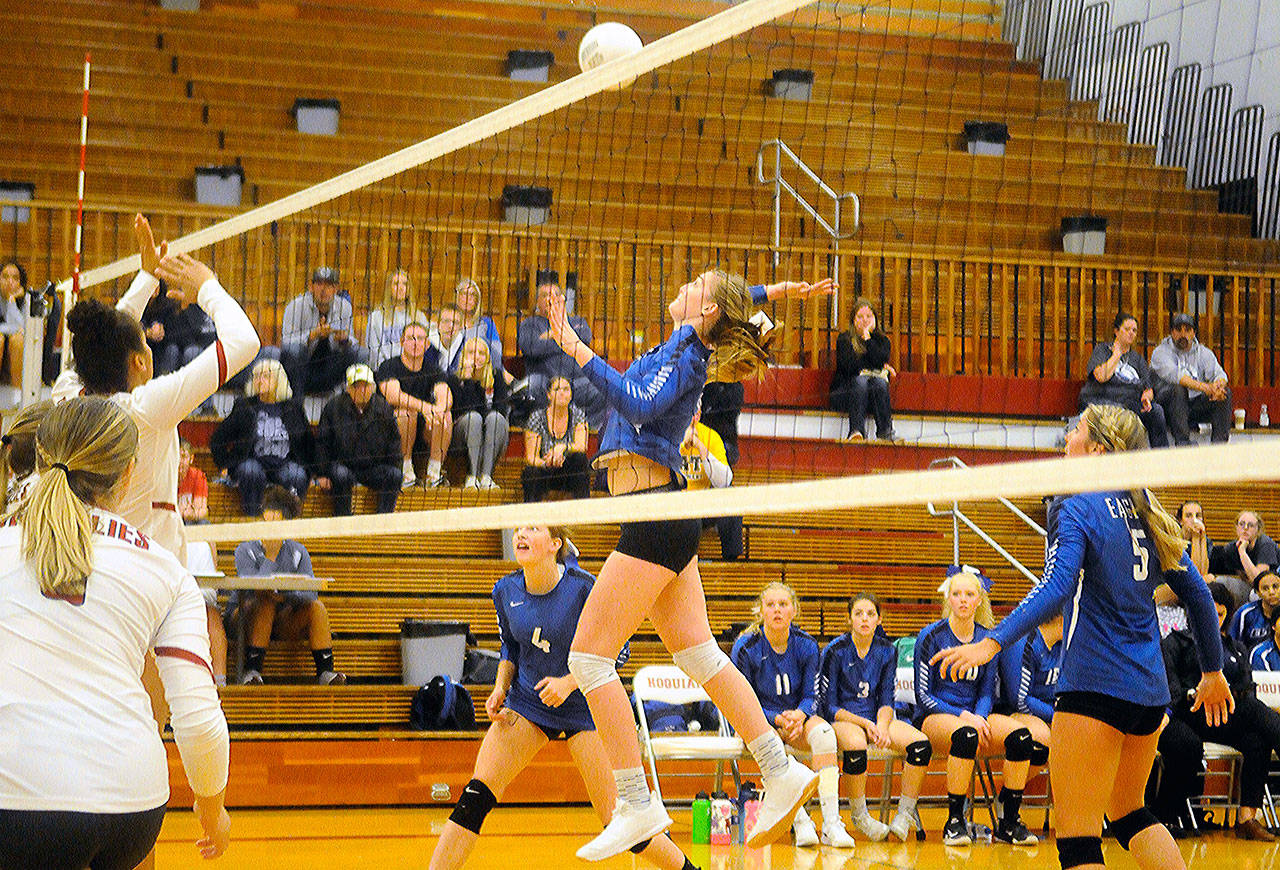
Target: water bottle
[700,828]
[748,809]
[1264,419]
[721,819]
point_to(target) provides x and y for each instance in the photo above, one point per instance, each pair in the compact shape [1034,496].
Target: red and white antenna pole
[84,137]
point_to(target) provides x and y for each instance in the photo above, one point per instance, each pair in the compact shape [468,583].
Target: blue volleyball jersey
[850,682]
[651,404]
[536,631]
[1029,674]
[1250,624]
[782,681]
[1265,656]
[938,693]
[1100,573]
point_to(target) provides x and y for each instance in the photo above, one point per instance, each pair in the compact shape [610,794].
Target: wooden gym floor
[392,839]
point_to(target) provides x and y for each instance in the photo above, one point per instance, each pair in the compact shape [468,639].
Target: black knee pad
[1018,746]
[919,753]
[855,762]
[1039,754]
[641,846]
[1127,827]
[475,802]
[964,742]
[1077,851]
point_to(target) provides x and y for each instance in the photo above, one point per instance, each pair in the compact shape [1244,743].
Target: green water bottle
[700,828]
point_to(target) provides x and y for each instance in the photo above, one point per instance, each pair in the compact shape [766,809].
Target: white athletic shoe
[901,826]
[471,482]
[805,833]
[871,828]
[408,476]
[628,827]
[488,482]
[834,834]
[783,795]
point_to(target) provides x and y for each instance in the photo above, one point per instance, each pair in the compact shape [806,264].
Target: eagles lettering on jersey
[854,683]
[782,681]
[1100,573]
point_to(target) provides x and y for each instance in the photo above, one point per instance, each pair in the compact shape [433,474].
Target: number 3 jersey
[860,685]
[1100,572]
[536,631]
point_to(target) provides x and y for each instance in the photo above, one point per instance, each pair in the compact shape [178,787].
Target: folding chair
[669,684]
[1231,800]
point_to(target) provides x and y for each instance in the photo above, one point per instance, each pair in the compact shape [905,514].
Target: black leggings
[1254,730]
[57,840]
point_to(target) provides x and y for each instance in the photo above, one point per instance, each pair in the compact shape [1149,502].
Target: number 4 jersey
[1100,572]
[536,631]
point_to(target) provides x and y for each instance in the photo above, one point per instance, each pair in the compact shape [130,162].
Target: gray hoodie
[1169,364]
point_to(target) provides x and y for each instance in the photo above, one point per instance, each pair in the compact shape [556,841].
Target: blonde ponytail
[1118,429]
[741,351]
[83,446]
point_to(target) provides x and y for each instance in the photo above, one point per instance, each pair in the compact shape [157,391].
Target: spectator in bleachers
[555,447]
[705,466]
[782,663]
[1265,655]
[1117,374]
[1251,622]
[316,345]
[282,615]
[419,393]
[479,414]
[475,324]
[13,283]
[543,359]
[446,342]
[1240,562]
[357,441]
[193,487]
[1190,384]
[175,333]
[1253,728]
[387,321]
[1170,613]
[861,379]
[265,439]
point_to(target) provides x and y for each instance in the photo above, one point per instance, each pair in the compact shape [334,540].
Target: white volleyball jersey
[76,730]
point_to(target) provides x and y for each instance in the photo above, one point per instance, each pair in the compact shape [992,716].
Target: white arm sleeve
[718,473]
[199,727]
[135,299]
[167,400]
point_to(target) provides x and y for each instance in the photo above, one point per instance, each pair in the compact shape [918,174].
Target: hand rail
[958,516]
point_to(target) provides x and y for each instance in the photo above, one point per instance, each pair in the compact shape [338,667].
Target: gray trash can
[430,648]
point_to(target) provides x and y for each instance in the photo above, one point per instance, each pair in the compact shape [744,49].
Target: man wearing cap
[543,359]
[317,347]
[357,442]
[1190,385]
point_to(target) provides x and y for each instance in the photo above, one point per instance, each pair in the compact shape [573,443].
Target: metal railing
[834,228]
[958,517]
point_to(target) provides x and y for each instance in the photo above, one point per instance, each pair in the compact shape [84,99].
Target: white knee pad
[822,739]
[701,662]
[591,671]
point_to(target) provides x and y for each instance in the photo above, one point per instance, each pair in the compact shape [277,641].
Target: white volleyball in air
[605,42]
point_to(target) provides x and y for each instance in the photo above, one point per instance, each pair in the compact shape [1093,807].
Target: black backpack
[442,705]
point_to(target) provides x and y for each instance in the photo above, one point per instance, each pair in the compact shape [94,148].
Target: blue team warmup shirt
[937,693]
[1100,572]
[860,685]
[1250,625]
[1029,674]
[782,681]
[1265,656]
[536,631]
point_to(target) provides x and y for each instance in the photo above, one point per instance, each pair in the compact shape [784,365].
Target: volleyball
[605,42]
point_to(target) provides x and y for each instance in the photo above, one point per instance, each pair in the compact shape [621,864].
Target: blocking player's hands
[1214,694]
[185,275]
[147,250]
[553,691]
[216,825]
